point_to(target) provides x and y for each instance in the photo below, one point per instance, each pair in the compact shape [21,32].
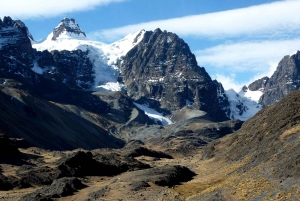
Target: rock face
[259,84]
[162,71]
[73,68]
[68,27]
[16,54]
[59,188]
[285,79]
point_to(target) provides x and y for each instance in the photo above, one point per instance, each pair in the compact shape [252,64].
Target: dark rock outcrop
[259,84]
[162,71]
[83,164]
[72,68]
[37,176]
[166,175]
[7,148]
[142,151]
[16,53]
[70,27]
[59,188]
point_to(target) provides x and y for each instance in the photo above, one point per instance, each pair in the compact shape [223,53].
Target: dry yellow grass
[212,175]
[289,132]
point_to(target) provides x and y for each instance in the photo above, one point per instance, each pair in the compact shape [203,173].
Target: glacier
[103,56]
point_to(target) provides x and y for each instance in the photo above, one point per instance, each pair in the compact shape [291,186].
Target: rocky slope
[161,71]
[55,98]
[16,53]
[258,162]
[284,80]
[265,151]
[44,124]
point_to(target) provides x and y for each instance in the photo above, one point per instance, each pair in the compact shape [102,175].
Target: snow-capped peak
[68,28]
[103,56]
[119,48]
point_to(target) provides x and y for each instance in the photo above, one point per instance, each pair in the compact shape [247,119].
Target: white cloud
[266,20]
[229,82]
[247,56]
[45,8]
[254,58]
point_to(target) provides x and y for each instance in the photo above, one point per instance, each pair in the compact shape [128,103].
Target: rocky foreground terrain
[259,161]
[73,127]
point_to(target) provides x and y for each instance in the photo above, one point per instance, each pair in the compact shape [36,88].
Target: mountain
[285,79]
[101,66]
[50,91]
[16,54]
[243,104]
[68,28]
[95,62]
[151,121]
[161,71]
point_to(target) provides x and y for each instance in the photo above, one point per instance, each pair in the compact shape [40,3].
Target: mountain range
[142,96]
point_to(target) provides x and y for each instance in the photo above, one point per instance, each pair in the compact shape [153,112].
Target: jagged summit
[162,72]
[284,80]
[68,27]
[7,22]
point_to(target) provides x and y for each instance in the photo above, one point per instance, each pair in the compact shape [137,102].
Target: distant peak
[244,88]
[17,24]
[68,27]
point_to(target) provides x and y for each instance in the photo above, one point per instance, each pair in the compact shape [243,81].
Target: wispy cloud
[258,58]
[247,56]
[45,8]
[229,82]
[266,20]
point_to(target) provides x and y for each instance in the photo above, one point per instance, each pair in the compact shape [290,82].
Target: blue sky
[236,41]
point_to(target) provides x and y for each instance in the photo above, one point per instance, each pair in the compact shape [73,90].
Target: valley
[139,119]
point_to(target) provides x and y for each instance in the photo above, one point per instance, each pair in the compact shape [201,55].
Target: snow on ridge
[153,114]
[243,105]
[294,53]
[103,56]
[67,35]
[116,50]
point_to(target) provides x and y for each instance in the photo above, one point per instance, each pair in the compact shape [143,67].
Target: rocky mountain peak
[244,88]
[15,24]
[162,71]
[259,85]
[68,27]
[285,79]
[16,54]
[139,35]
[7,21]
[24,28]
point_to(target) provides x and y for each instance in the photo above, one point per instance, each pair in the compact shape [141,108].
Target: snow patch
[37,69]
[103,56]
[153,114]
[243,105]
[111,86]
